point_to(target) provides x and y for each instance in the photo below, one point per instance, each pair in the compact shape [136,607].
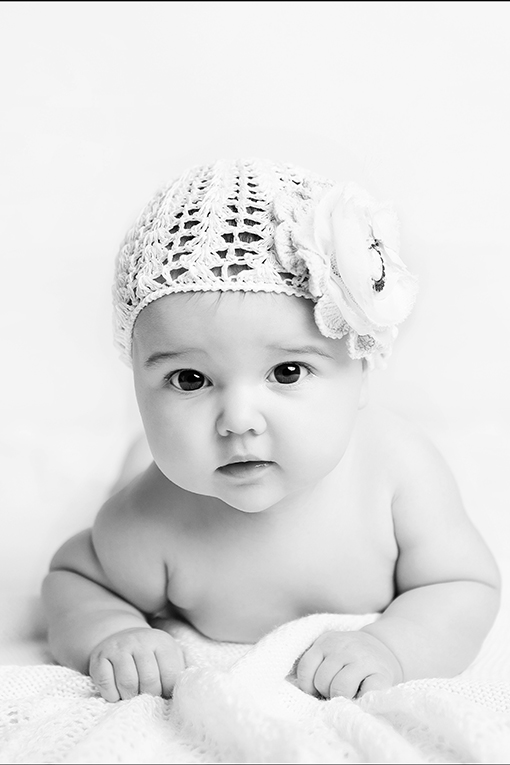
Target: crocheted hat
[255,225]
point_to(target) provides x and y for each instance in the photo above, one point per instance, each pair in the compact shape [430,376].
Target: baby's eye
[188,380]
[286,374]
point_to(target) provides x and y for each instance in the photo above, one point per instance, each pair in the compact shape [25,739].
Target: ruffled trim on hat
[348,244]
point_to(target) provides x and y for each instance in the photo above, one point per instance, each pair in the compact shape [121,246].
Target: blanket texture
[238,703]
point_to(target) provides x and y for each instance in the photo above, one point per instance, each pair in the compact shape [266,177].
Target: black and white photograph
[255,423]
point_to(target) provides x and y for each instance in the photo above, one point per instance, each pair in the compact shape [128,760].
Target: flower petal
[349,245]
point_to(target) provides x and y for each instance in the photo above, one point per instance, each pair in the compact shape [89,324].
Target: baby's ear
[363,394]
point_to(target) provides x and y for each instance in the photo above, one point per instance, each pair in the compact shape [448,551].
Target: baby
[252,300]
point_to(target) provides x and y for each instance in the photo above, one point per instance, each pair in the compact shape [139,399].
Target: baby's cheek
[167,435]
[323,441]
[186,459]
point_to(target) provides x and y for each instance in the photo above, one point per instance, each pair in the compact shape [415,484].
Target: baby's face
[241,396]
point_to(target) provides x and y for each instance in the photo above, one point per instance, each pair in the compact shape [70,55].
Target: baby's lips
[236,458]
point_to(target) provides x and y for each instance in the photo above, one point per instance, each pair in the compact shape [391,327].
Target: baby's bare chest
[238,586]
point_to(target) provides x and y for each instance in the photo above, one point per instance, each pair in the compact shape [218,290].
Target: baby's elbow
[492,578]
[479,566]
[494,584]
[488,601]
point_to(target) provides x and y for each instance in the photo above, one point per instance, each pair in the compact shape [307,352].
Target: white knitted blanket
[237,703]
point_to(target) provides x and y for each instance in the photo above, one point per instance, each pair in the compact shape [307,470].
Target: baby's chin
[250,510]
[252,503]
[248,506]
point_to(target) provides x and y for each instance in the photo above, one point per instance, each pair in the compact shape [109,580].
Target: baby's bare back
[235,576]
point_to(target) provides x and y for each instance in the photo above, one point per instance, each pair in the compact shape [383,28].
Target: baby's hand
[347,664]
[133,661]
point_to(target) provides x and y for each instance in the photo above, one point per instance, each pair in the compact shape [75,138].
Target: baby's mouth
[245,468]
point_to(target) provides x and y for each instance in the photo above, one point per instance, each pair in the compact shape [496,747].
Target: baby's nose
[240,413]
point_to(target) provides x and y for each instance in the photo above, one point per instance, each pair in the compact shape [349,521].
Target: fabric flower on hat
[349,245]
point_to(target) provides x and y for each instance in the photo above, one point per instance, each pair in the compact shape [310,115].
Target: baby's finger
[101,672]
[307,667]
[375,682]
[347,681]
[171,664]
[326,672]
[126,676]
[148,673]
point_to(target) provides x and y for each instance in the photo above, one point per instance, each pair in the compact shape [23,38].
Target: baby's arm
[447,592]
[446,577]
[101,585]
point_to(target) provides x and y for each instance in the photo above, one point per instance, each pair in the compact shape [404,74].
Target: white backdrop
[102,102]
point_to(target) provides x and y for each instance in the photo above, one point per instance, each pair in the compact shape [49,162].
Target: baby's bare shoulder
[437,540]
[425,491]
[133,538]
[147,504]
[403,454]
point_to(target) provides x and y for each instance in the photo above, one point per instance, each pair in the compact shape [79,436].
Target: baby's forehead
[182,311]
[223,320]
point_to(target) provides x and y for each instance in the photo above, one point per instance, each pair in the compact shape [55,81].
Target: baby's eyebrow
[161,356]
[302,350]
